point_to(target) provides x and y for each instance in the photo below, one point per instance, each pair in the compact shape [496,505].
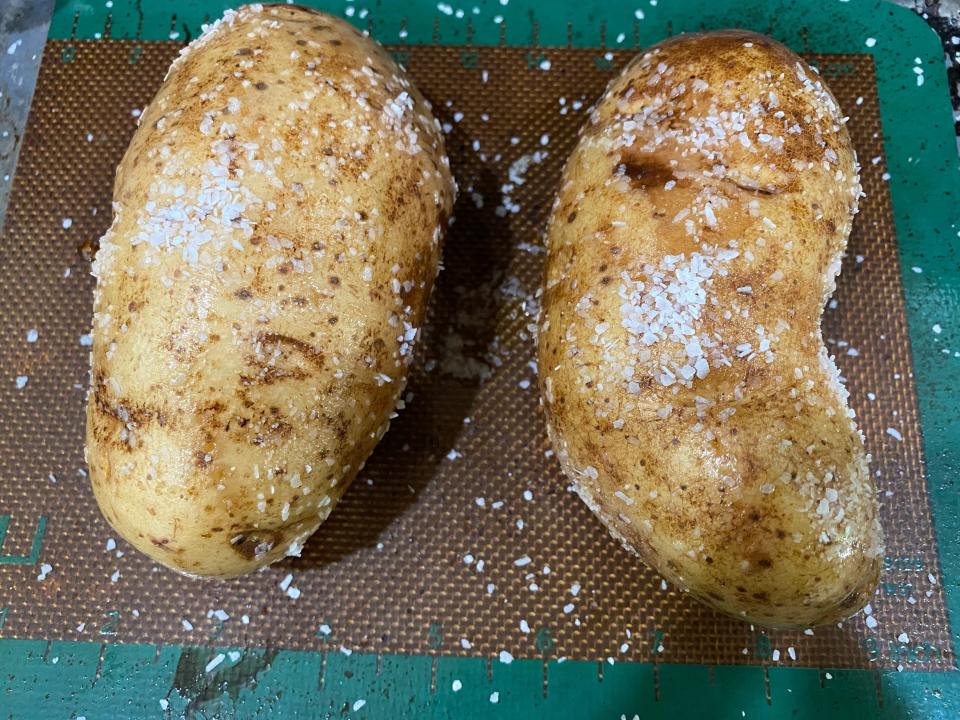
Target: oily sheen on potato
[695,239]
[278,219]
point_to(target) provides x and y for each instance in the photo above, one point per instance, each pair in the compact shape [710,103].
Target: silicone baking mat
[461,536]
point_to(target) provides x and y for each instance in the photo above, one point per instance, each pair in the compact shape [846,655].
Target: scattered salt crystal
[359,704]
[213,664]
[465,644]
[894,433]
[494,697]
[456,685]
[505,657]
[524,627]
[521,562]
[32,335]
[21,381]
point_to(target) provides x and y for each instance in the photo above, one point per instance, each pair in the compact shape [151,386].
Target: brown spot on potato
[305,349]
[254,544]
[161,543]
[647,170]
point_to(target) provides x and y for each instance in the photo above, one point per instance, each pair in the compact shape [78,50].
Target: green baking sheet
[93,679]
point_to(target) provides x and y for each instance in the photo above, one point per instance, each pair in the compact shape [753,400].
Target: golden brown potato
[696,236]
[277,228]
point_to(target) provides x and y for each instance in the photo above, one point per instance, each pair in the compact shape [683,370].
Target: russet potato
[696,236]
[277,228]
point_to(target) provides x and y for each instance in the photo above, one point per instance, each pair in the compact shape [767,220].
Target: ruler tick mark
[96,675]
[766,684]
[433,675]
[656,678]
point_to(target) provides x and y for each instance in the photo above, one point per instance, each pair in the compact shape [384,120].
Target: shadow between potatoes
[460,326]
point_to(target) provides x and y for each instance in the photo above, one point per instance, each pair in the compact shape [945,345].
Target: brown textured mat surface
[421,555]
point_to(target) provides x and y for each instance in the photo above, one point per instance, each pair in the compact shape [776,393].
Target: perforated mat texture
[421,555]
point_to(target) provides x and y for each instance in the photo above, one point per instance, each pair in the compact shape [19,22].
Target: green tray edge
[923,186]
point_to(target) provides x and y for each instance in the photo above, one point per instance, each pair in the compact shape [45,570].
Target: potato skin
[689,396]
[277,228]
